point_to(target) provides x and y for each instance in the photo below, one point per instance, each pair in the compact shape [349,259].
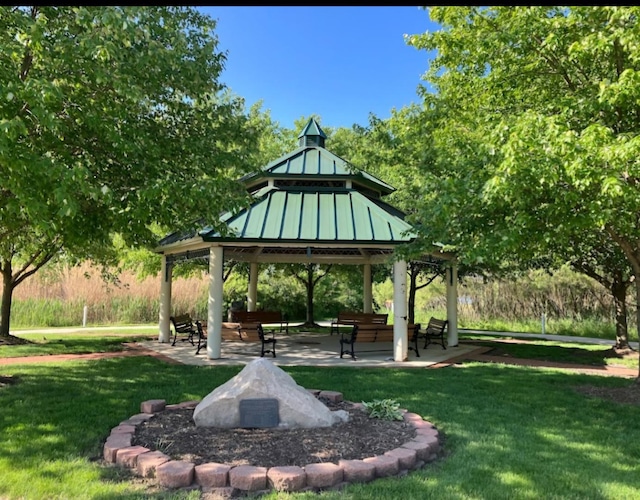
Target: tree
[112,121]
[274,140]
[309,275]
[540,106]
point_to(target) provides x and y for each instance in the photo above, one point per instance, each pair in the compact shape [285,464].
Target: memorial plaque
[259,412]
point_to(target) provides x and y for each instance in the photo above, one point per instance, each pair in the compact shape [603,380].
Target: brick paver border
[225,479]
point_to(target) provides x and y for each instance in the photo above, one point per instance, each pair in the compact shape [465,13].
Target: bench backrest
[257,316]
[436,326]
[182,323]
[371,332]
[358,317]
[247,332]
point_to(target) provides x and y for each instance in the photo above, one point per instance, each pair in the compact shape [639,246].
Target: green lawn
[549,350]
[509,432]
[68,343]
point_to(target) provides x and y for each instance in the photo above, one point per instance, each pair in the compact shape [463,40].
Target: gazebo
[310,206]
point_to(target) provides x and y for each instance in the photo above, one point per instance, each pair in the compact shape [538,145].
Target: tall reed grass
[58,297]
[567,302]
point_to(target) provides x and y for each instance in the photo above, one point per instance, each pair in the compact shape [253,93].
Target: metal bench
[183,325]
[243,332]
[262,317]
[433,334]
[367,333]
[348,318]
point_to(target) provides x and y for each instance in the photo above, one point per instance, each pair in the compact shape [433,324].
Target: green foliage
[533,126]
[385,409]
[532,141]
[113,122]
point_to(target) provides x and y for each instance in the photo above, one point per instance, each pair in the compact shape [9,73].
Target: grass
[570,327]
[509,432]
[561,352]
[51,344]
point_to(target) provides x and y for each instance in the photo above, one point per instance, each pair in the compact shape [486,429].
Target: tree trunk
[619,292]
[310,286]
[411,306]
[638,319]
[5,307]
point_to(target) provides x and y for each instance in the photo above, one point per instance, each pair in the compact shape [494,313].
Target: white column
[452,305]
[214,308]
[164,322]
[367,305]
[400,341]
[252,297]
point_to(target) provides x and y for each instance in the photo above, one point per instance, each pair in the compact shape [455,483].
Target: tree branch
[631,253]
[27,60]
[231,266]
[315,282]
[23,274]
[419,287]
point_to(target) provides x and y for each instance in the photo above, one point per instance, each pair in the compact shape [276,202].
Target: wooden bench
[242,332]
[348,318]
[433,334]
[369,332]
[262,317]
[183,325]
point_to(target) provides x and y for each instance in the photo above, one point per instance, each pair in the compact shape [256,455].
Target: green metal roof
[316,215]
[310,201]
[317,162]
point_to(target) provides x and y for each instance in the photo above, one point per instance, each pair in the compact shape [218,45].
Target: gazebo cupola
[312,135]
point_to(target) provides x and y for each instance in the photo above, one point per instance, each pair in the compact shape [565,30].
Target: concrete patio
[311,349]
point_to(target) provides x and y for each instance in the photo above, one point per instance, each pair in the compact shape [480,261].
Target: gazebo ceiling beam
[314,259]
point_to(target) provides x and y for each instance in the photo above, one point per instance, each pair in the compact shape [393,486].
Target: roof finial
[312,135]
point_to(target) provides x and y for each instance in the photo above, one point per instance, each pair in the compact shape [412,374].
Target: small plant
[385,409]
[163,444]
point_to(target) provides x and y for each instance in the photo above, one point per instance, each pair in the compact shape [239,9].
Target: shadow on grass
[594,355]
[41,346]
[508,431]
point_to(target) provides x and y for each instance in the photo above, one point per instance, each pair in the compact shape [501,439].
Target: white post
[214,306]
[85,310]
[400,341]
[252,297]
[165,302]
[367,305]
[452,304]
[543,319]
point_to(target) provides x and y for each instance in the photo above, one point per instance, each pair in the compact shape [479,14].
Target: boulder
[261,378]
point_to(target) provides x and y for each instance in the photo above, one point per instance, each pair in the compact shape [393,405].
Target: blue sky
[340,63]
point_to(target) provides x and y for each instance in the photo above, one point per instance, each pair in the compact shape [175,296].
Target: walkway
[323,350]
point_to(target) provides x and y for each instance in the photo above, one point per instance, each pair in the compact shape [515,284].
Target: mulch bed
[174,433]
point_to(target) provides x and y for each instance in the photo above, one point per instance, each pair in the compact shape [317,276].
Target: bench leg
[346,351]
[202,342]
[415,347]
[266,351]
[429,341]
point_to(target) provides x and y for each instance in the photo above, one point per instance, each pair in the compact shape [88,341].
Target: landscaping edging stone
[226,479]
